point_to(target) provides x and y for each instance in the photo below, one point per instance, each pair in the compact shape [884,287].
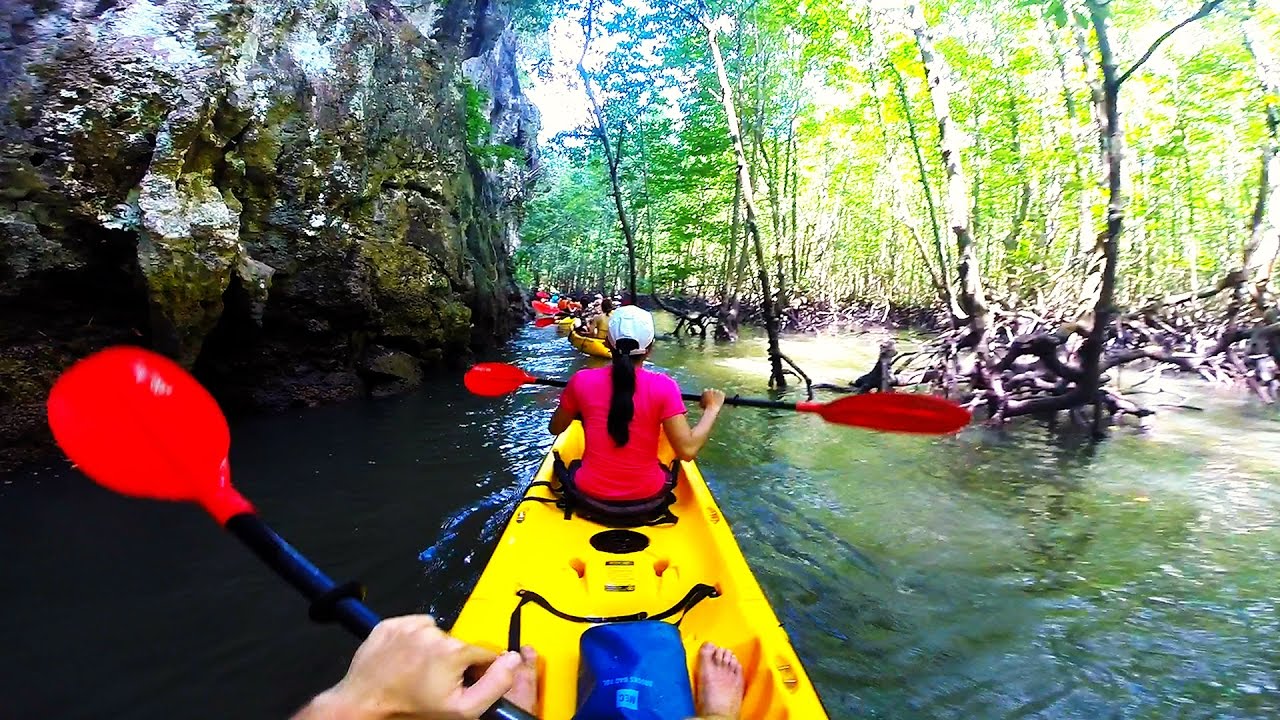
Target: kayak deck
[542,552]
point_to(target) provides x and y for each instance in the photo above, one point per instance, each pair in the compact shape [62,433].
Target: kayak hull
[567,323]
[595,347]
[542,552]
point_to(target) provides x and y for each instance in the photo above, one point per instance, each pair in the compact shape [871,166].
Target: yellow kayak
[542,552]
[594,347]
[567,322]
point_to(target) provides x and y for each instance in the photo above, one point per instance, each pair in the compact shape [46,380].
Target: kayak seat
[650,511]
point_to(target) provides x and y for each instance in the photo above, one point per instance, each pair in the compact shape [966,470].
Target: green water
[1010,573]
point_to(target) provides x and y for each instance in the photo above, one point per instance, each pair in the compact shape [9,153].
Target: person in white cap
[624,410]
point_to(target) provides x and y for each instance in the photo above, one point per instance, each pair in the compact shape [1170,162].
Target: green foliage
[479,130]
[824,91]
[568,236]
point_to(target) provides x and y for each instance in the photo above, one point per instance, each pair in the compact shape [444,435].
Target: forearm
[332,705]
[560,421]
[700,433]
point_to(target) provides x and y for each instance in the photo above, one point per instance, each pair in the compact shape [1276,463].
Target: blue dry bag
[633,671]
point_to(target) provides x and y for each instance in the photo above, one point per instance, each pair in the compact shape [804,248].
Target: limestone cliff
[304,200]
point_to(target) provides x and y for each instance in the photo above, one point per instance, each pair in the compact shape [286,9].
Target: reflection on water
[990,574]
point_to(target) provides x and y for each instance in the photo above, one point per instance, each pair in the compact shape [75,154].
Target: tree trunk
[1264,228]
[795,196]
[1089,388]
[1112,153]
[645,223]
[1079,133]
[939,282]
[972,300]
[939,248]
[739,259]
[1092,244]
[727,326]
[776,376]
[731,252]
[612,159]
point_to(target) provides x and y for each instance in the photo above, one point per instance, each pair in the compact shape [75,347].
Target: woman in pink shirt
[624,409]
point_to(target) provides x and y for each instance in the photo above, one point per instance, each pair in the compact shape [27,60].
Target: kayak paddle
[544,322]
[888,412]
[138,424]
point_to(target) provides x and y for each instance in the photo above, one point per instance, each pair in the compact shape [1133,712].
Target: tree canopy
[842,136]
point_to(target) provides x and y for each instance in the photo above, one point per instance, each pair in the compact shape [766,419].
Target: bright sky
[560,96]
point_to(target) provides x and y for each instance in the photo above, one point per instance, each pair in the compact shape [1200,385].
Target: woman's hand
[409,668]
[712,399]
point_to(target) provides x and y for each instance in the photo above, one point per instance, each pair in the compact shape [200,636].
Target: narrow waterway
[986,575]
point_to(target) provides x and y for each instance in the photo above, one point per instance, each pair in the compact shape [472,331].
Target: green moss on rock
[414,299]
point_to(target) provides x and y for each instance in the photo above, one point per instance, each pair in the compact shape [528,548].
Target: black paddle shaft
[343,604]
[747,402]
[691,397]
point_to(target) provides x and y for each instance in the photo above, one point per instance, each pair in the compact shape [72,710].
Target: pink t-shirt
[631,472]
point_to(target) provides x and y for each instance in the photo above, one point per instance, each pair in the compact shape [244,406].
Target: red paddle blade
[544,322]
[491,379]
[544,308]
[893,412]
[136,423]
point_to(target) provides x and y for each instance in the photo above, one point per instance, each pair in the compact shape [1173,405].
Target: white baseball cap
[632,323]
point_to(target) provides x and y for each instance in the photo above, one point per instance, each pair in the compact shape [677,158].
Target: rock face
[303,200]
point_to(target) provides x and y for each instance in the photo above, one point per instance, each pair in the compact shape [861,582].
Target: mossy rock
[414,299]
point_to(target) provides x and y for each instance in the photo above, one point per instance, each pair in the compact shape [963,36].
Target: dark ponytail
[622,406]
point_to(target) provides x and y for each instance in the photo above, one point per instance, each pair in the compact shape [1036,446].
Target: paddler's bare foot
[525,691]
[720,683]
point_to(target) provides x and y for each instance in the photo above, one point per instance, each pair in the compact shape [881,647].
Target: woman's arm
[567,411]
[688,441]
[560,420]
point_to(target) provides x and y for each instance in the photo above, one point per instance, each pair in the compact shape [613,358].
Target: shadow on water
[992,574]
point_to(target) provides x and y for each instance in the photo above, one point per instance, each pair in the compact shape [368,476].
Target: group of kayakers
[593,312]
[409,668]
[563,304]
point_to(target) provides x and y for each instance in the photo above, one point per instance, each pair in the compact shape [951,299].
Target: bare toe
[720,683]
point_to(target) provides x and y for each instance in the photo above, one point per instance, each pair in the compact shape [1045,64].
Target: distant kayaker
[624,409]
[409,668]
[598,325]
